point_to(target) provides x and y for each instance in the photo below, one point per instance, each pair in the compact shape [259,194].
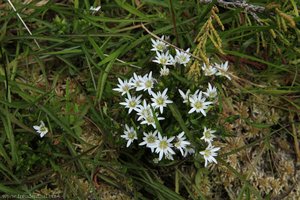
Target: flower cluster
[210,152]
[164,58]
[199,103]
[216,69]
[147,111]
[148,105]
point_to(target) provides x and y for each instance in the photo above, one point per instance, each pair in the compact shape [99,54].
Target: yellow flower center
[163,61]
[148,84]
[43,129]
[151,139]
[212,94]
[207,134]
[131,135]
[150,119]
[160,47]
[160,101]
[198,105]
[207,153]
[182,58]
[163,144]
[132,104]
[125,88]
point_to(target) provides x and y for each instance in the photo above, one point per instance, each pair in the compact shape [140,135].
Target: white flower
[172,60]
[150,120]
[163,146]
[162,58]
[222,69]
[41,129]
[208,135]
[143,110]
[164,71]
[147,83]
[95,9]
[160,100]
[150,140]
[181,143]
[131,102]
[189,150]
[136,81]
[129,134]
[159,45]
[209,70]
[211,92]
[169,156]
[145,114]
[123,86]
[198,104]
[182,57]
[209,153]
[185,96]
[196,93]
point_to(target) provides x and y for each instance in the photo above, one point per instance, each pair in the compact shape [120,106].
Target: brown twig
[238,4]
[252,9]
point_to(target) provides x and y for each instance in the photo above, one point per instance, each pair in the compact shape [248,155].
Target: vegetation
[60,62]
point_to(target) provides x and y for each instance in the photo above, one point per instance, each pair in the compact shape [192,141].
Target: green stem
[174,22]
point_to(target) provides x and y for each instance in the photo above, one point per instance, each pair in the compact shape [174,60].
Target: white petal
[161,153]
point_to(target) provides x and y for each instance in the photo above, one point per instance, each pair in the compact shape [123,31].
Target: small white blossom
[160,100]
[185,96]
[181,143]
[147,83]
[172,60]
[199,104]
[169,156]
[95,9]
[164,71]
[222,69]
[209,70]
[41,129]
[159,45]
[162,58]
[123,86]
[163,146]
[131,102]
[136,81]
[209,153]
[208,135]
[182,57]
[129,134]
[146,116]
[196,93]
[150,120]
[149,140]
[189,150]
[143,110]
[211,92]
